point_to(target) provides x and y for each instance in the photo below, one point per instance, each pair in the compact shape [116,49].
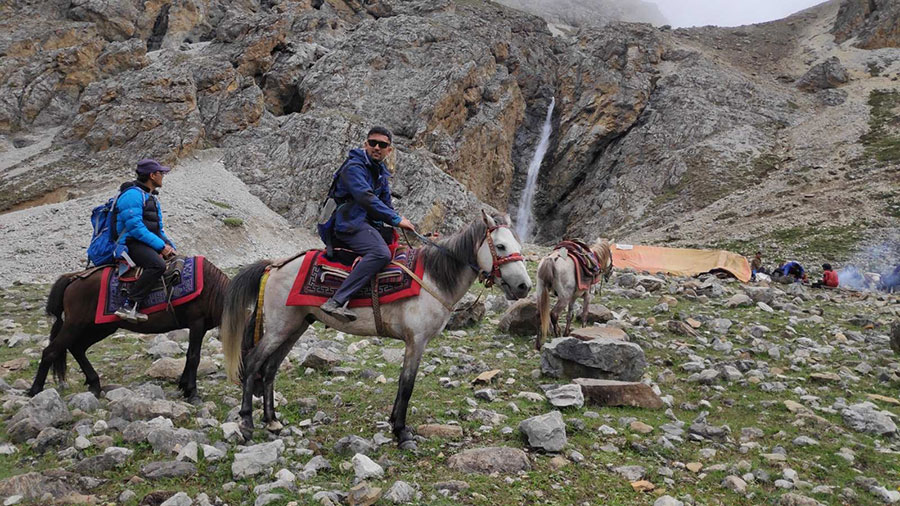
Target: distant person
[363,218]
[829,278]
[756,266]
[142,239]
[791,272]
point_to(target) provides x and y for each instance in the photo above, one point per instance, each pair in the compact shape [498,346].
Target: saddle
[171,277]
[583,256]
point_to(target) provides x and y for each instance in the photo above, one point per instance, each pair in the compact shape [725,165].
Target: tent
[679,261]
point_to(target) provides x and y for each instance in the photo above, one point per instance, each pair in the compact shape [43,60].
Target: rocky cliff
[691,136]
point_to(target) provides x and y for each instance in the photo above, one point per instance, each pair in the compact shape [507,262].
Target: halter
[487,278]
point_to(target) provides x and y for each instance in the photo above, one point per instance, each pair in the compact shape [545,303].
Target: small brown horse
[556,272]
[73,301]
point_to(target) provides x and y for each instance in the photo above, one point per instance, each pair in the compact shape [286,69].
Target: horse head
[500,258]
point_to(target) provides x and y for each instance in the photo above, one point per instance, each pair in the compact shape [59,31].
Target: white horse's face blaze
[513,277]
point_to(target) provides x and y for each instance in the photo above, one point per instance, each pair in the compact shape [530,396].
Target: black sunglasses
[381,144]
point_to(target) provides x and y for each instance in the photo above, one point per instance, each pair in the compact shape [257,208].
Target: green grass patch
[216,203]
[882,141]
[832,243]
[233,222]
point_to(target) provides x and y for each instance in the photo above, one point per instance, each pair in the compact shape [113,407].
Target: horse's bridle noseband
[488,278]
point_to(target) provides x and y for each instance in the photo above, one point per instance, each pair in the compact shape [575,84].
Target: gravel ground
[40,243]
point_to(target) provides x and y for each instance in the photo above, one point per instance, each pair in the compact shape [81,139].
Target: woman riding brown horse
[73,300]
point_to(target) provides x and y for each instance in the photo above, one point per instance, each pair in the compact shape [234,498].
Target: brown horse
[73,301]
[556,272]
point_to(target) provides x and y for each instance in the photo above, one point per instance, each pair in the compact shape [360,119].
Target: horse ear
[506,218]
[488,220]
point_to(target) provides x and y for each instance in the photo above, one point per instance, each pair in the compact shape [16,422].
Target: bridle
[488,278]
[497,260]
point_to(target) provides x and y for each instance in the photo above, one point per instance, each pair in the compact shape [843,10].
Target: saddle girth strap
[258,328]
[421,283]
[376,308]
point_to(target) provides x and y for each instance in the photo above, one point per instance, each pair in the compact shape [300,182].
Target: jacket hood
[362,157]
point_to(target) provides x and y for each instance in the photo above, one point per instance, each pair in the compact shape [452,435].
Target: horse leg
[415,347]
[570,312]
[188,381]
[269,369]
[54,351]
[554,314]
[586,309]
[79,351]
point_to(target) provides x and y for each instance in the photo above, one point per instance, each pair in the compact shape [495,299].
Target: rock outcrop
[874,23]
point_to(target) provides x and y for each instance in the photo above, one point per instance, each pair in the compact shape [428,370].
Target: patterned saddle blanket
[319,278]
[587,266]
[184,286]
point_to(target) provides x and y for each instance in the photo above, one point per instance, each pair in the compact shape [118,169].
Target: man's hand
[167,251]
[404,223]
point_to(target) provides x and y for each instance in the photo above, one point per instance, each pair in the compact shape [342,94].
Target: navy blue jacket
[362,191]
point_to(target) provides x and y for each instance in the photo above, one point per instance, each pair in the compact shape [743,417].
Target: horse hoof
[274,426]
[409,445]
[31,392]
[193,399]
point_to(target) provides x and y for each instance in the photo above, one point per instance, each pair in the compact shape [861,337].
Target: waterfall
[523,216]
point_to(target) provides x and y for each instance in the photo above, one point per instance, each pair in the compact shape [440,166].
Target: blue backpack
[102,248]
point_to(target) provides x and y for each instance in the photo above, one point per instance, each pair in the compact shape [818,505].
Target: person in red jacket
[829,277]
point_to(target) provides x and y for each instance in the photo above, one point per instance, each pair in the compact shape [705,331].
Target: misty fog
[683,13]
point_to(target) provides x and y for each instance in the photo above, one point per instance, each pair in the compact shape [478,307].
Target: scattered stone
[452,486]
[618,393]
[694,467]
[400,492]
[601,358]
[322,359]
[440,431]
[600,331]
[642,486]
[348,445]
[825,377]
[167,469]
[864,417]
[364,468]
[739,300]
[566,396]
[641,427]
[252,460]
[486,376]
[363,494]
[630,473]
[179,499]
[792,499]
[546,432]
[45,409]
[735,484]
[490,460]
[667,500]
[171,368]
[84,401]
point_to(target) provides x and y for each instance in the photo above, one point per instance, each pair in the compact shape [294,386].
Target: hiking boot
[131,314]
[338,311]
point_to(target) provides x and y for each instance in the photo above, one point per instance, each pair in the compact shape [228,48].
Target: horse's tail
[54,308]
[545,274]
[239,314]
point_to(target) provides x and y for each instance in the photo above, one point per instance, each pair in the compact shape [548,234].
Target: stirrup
[131,315]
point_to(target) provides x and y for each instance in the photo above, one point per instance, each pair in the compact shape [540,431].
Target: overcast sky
[728,12]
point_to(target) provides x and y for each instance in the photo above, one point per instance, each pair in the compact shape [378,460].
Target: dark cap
[149,166]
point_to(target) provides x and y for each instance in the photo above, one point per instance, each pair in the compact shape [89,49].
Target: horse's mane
[445,269]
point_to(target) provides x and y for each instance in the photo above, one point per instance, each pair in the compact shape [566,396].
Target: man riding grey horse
[363,217]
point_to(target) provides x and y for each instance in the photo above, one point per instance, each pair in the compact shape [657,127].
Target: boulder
[168,469]
[141,408]
[828,74]
[865,417]
[601,392]
[545,432]
[467,313]
[400,493]
[45,409]
[600,331]
[34,486]
[521,318]
[565,396]
[601,358]
[322,359]
[489,460]
[597,313]
[252,460]
[171,368]
[84,401]
[440,431]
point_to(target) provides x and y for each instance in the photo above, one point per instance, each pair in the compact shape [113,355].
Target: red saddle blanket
[319,278]
[112,297]
[587,267]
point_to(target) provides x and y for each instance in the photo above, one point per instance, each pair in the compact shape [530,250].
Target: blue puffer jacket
[139,216]
[363,193]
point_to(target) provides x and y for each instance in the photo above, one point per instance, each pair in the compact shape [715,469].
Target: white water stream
[523,216]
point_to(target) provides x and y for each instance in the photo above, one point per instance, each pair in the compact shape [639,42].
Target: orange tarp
[679,261]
